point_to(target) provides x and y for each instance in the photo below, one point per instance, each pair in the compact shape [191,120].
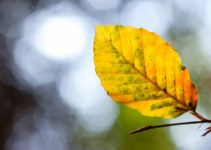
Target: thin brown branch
[168,125]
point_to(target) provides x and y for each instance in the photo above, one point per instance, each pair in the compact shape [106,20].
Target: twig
[172,124]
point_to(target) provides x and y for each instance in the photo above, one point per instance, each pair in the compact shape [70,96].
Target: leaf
[140,70]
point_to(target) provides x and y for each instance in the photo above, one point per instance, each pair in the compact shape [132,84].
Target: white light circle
[59,33]
[146,14]
[31,67]
[60,38]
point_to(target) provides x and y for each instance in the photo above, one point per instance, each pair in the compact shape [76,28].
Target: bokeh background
[50,96]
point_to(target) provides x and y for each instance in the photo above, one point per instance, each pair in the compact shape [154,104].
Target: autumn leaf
[140,70]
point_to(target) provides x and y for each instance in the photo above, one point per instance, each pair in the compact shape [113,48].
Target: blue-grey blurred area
[50,96]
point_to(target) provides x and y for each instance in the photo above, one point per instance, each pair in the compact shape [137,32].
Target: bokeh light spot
[60,38]
[146,14]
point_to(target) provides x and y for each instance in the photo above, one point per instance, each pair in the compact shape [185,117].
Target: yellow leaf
[140,70]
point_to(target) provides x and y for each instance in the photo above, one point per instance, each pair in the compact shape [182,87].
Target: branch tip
[141,129]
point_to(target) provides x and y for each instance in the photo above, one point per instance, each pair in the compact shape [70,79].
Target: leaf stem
[197,115]
[167,125]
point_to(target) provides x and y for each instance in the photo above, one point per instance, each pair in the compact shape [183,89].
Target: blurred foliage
[130,120]
[118,138]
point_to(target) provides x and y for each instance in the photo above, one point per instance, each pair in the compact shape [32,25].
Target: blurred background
[50,96]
